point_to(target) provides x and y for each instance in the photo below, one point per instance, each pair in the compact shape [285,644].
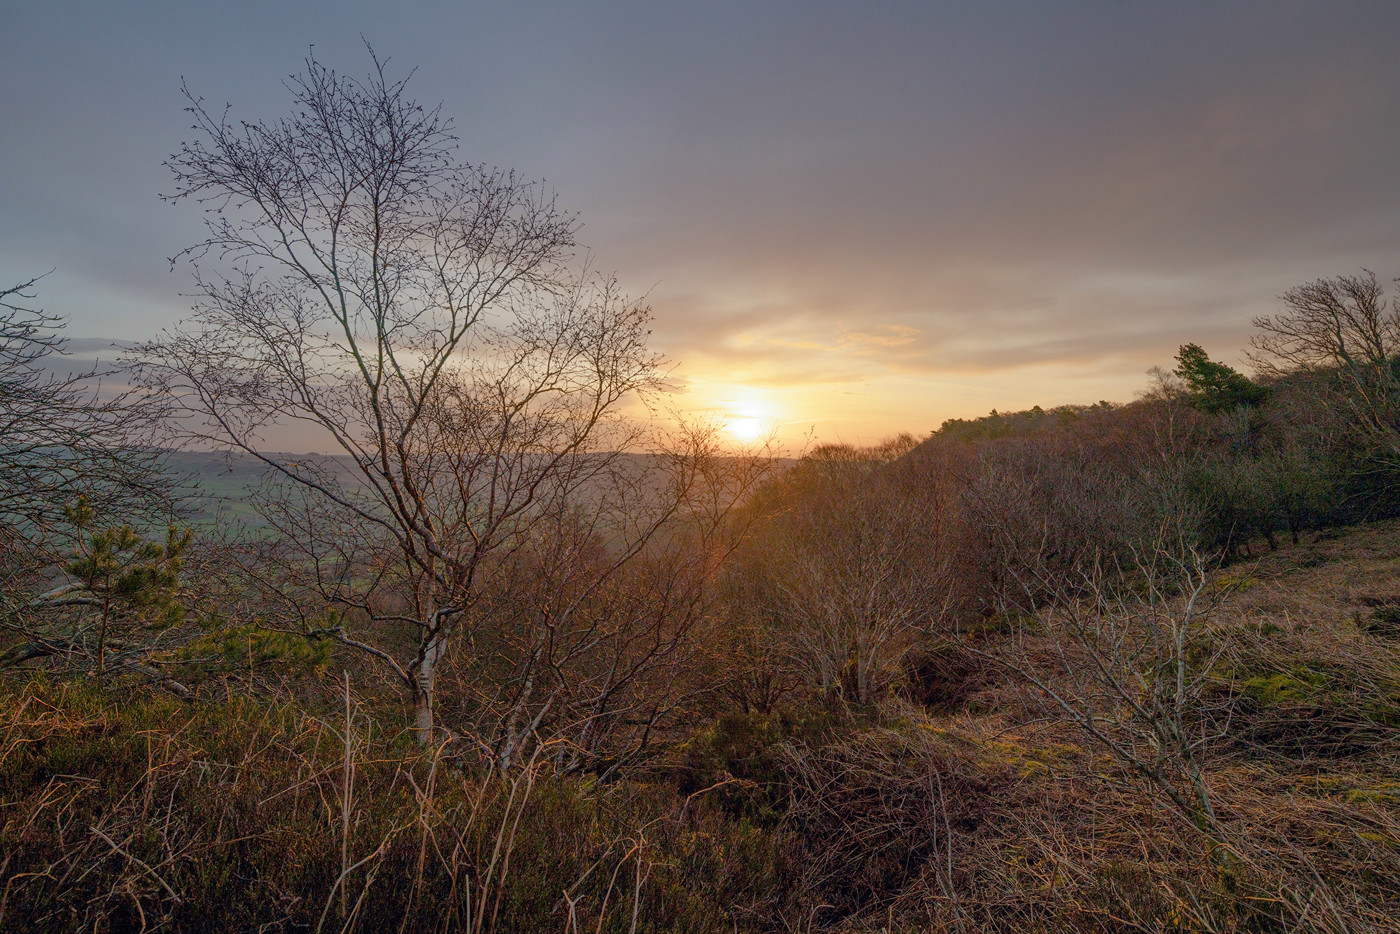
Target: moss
[1302,684]
[1226,582]
[1026,761]
[1031,768]
[1382,839]
[1386,793]
[1331,782]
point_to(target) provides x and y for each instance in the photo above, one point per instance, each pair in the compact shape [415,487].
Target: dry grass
[1304,772]
[134,812]
[127,811]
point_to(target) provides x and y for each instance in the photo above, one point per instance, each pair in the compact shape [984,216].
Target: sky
[851,219]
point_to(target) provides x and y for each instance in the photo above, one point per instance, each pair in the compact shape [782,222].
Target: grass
[132,811]
[122,809]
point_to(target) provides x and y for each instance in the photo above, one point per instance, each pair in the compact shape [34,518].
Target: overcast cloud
[864,217]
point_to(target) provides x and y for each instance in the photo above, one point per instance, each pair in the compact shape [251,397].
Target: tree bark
[424,690]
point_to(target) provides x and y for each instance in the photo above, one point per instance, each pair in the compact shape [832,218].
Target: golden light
[743,414]
[744,429]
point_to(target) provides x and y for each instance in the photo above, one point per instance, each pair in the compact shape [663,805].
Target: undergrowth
[125,809]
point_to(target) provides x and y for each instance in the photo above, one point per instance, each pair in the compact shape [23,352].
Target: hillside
[970,812]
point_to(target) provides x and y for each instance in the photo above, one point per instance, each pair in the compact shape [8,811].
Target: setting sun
[744,429]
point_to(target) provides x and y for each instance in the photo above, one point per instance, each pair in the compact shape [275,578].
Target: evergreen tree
[1215,386]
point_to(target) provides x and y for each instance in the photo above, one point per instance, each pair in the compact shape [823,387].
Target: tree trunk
[424,699]
[102,631]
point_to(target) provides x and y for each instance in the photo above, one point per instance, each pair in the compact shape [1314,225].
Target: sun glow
[749,416]
[744,429]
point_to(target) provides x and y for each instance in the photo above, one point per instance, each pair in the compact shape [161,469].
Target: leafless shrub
[852,574]
[1121,652]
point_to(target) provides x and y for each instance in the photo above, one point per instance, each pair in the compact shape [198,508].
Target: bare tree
[421,314]
[1120,649]
[1344,330]
[61,433]
[857,572]
[594,643]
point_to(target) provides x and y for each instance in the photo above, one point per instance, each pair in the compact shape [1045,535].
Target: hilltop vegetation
[872,712]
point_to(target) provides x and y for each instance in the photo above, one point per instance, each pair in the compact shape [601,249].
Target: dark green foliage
[1236,502]
[1301,489]
[1245,498]
[127,572]
[1034,420]
[1216,387]
[221,647]
[118,591]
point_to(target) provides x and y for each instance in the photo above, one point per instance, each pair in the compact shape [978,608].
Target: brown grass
[123,810]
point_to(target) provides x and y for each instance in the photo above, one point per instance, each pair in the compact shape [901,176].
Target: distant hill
[215,489]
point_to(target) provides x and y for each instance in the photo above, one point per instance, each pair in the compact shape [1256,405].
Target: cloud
[949,204]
